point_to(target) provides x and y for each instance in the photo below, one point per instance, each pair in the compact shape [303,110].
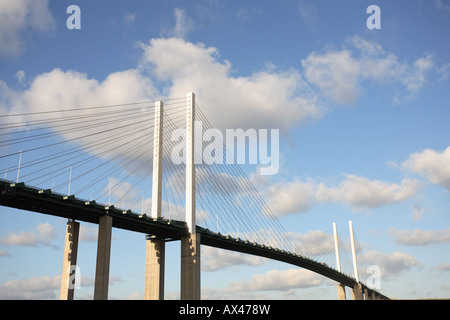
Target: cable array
[98,153]
[233,204]
[105,154]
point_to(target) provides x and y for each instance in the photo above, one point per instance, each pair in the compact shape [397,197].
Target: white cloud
[45,287]
[418,237]
[32,288]
[361,192]
[129,18]
[340,73]
[21,238]
[3,253]
[20,17]
[291,197]
[56,90]
[260,100]
[293,278]
[42,236]
[88,234]
[170,67]
[390,265]
[355,191]
[431,164]
[34,284]
[336,73]
[214,259]
[46,231]
[20,75]
[444,267]
[416,79]
[183,24]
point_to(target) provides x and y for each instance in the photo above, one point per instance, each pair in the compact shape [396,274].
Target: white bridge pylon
[190,244]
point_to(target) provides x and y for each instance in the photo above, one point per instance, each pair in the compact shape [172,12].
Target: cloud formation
[183,24]
[355,191]
[260,100]
[170,67]
[360,192]
[42,236]
[284,280]
[18,19]
[431,164]
[214,259]
[390,265]
[32,288]
[340,73]
[418,237]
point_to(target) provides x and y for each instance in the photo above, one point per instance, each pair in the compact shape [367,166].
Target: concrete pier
[70,261]
[190,267]
[366,294]
[154,269]
[357,292]
[341,292]
[103,258]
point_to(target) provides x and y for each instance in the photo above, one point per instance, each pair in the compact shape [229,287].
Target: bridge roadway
[20,196]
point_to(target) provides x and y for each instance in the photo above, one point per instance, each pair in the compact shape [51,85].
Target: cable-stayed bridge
[135,166]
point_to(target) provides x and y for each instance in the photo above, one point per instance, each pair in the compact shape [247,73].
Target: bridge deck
[20,196]
[237,245]
[27,198]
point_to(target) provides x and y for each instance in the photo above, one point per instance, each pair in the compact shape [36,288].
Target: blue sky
[363,115]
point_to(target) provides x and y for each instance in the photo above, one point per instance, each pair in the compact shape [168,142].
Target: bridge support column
[190,244]
[190,162]
[357,292]
[366,294]
[154,269]
[155,248]
[103,258]
[341,292]
[70,261]
[341,287]
[190,267]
